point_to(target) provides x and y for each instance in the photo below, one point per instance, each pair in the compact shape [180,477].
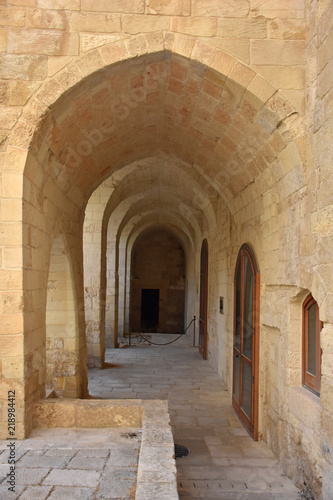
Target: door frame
[252,424]
[203,300]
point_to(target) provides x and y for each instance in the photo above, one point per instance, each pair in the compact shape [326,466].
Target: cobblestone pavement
[73,464]
[224,462]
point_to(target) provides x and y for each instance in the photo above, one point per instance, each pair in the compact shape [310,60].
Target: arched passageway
[181,135]
[160,137]
[157,283]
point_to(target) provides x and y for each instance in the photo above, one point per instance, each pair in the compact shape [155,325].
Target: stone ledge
[157,474]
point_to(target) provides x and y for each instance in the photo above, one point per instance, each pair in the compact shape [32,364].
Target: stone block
[231,8]
[242,28]
[135,24]
[8,116]
[11,346]
[282,77]
[236,47]
[67,477]
[277,52]
[48,414]
[195,26]
[183,45]
[280,9]
[296,98]
[293,29]
[3,39]
[223,63]
[22,3]
[11,323]
[13,256]
[241,74]
[90,41]
[327,484]
[261,88]
[10,16]
[290,157]
[114,52]
[47,19]
[46,42]
[122,6]
[169,7]
[20,92]
[12,186]
[57,63]
[90,62]
[59,4]
[105,23]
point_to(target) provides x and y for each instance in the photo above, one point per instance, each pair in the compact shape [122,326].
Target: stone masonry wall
[158,263]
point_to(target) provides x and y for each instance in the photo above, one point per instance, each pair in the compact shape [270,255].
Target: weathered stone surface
[81,478]
[231,8]
[287,29]
[59,4]
[90,41]
[20,92]
[48,42]
[12,17]
[23,67]
[277,52]
[169,7]
[124,6]
[142,24]
[55,414]
[194,26]
[47,19]
[106,23]
[239,28]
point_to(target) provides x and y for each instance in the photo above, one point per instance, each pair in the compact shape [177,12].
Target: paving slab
[74,464]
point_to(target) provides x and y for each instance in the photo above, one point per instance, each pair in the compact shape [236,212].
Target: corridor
[224,462]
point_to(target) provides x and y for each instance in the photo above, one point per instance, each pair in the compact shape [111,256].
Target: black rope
[172,341]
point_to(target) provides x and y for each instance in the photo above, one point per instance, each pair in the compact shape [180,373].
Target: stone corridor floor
[224,462]
[90,464]
[73,464]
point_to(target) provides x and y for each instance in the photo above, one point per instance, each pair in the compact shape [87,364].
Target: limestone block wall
[158,262]
[62,346]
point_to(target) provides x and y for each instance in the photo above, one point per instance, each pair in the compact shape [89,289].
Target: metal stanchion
[194,320]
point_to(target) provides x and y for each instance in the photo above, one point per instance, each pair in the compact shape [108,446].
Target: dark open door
[150,299]
[246,340]
[203,299]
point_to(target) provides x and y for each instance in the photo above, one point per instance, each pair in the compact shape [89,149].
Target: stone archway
[204,97]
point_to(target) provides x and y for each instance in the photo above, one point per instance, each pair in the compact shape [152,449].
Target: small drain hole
[181,451]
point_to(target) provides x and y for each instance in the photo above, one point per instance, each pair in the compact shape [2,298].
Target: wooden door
[246,340]
[203,299]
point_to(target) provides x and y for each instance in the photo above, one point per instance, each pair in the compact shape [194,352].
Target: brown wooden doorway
[203,299]
[246,340]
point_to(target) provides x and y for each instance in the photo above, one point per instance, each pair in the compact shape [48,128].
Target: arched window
[311,345]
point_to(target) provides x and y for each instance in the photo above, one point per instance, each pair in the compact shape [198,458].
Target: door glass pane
[236,375]
[238,306]
[312,339]
[248,309]
[247,389]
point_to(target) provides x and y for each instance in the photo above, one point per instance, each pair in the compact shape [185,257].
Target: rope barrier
[172,341]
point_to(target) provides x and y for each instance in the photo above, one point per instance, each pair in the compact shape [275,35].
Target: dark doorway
[203,299]
[246,340]
[150,298]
